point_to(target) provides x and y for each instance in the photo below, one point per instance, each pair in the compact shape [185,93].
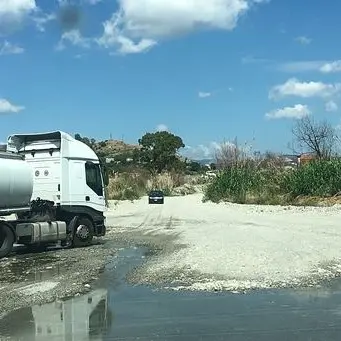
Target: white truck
[53,185]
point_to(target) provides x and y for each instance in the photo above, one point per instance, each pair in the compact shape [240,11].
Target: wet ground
[28,278]
[116,310]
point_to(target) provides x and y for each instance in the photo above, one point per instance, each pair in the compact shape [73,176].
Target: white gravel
[37,288]
[232,247]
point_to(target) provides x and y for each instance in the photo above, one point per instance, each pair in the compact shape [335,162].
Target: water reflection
[143,313]
[85,317]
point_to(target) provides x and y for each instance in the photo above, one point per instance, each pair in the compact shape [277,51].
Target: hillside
[111,148]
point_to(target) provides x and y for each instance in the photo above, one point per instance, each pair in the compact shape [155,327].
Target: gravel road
[195,246]
[230,246]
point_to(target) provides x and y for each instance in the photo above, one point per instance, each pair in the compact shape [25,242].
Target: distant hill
[110,148]
[205,161]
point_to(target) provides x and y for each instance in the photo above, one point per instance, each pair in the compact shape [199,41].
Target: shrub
[127,187]
[236,183]
[264,183]
[130,186]
[166,182]
[317,178]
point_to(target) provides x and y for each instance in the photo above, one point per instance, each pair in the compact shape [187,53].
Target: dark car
[156,197]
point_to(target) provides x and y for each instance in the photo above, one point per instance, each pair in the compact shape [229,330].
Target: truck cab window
[94,178]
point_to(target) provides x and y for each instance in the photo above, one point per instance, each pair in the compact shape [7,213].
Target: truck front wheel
[84,232]
[6,240]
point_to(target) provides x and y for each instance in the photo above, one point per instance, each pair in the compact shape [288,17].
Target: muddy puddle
[32,267]
[115,310]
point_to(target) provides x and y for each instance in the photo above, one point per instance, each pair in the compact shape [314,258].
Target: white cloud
[74,37]
[87,2]
[330,67]
[201,151]
[93,2]
[42,19]
[331,106]
[143,23]
[161,127]
[310,65]
[202,94]
[13,12]
[303,40]
[293,87]
[297,111]
[253,60]
[127,46]
[112,37]
[7,107]
[16,8]
[8,48]
[301,66]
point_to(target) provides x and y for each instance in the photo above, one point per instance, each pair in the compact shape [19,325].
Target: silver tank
[16,182]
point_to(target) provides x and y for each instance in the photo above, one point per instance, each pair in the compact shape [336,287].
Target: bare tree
[316,137]
[230,154]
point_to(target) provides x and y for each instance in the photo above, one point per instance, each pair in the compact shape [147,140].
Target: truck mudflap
[100,229]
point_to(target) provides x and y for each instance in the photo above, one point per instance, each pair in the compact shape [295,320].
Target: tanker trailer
[54,186]
[16,187]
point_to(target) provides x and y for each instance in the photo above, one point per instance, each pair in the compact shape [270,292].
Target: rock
[87,286]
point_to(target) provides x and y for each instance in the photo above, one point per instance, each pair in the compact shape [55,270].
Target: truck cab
[68,188]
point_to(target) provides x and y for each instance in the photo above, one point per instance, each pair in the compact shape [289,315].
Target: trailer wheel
[84,232]
[6,240]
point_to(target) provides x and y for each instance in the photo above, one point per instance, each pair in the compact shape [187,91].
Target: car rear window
[156,193]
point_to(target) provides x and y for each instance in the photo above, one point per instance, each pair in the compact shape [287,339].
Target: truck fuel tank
[42,231]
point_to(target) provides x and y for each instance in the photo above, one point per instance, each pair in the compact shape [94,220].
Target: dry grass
[131,186]
[126,187]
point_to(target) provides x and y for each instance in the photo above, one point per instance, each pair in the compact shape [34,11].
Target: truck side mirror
[105,175]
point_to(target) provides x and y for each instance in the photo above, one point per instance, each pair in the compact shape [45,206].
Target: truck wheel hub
[82,232]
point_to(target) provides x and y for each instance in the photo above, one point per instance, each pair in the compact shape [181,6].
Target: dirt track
[196,246]
[233,247]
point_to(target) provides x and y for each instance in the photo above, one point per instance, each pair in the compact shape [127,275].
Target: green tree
[89,142]
[159,151]
[195,166]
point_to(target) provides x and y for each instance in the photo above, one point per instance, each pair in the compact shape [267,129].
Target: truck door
[94,192]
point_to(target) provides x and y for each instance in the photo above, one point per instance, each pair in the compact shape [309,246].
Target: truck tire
[84,232]
[6,240]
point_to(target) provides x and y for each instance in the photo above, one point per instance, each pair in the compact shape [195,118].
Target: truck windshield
[94,177]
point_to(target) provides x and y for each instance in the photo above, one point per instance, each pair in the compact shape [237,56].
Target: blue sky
[207,70]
